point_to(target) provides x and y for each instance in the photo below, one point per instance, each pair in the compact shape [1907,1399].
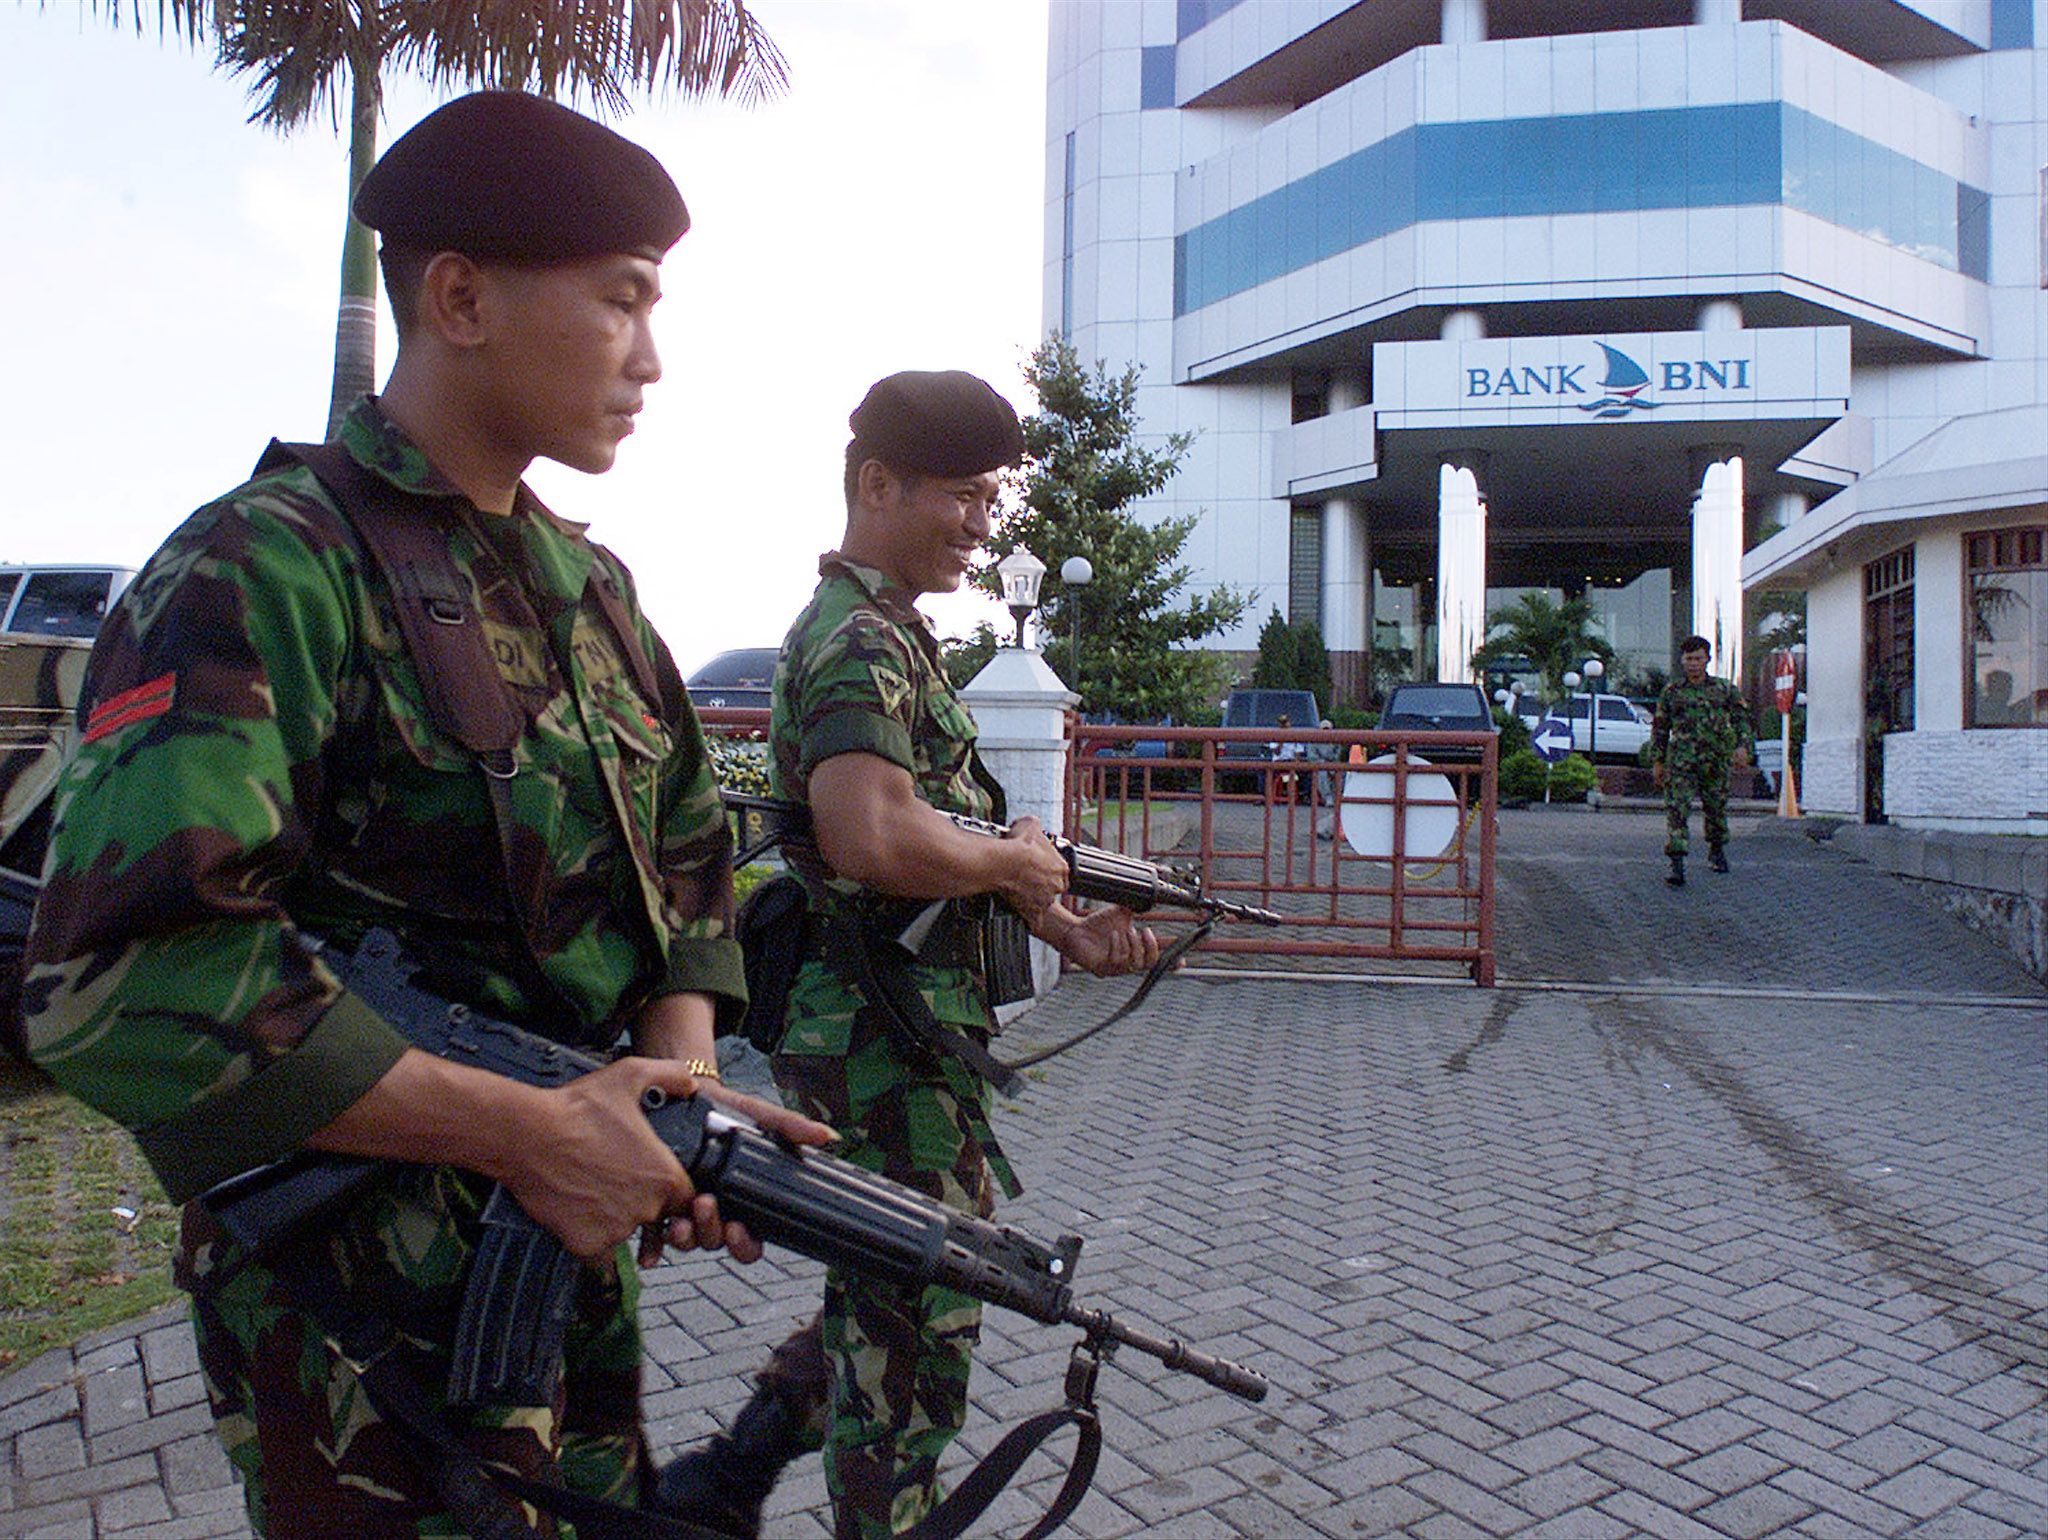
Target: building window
[1888,642]
[1305,566]
[1155,79]
[2012,24]
[2008,621]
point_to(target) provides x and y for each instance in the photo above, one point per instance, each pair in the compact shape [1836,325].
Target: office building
[1644,301]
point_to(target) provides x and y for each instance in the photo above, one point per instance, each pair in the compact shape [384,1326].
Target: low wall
[1994,883]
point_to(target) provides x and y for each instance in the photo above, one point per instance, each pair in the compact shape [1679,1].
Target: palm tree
[301,51]
[1555,637]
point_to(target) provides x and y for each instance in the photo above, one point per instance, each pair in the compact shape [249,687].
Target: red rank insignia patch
[130,706]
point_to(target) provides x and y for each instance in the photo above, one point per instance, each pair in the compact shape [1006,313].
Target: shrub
[740,764]
[1521,778]
[1514,732]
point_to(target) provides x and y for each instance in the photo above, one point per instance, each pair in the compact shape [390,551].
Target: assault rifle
[509,1340]
[1106,876]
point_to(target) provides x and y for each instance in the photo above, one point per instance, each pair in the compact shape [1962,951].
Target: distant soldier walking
[1701,728]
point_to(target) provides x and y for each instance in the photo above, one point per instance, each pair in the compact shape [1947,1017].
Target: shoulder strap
[613,603]
[464,692]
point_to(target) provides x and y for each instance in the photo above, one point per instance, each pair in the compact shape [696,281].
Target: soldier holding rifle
[890,1048]
[380,686]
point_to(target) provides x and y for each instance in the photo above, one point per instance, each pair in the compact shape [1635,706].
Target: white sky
[172,271]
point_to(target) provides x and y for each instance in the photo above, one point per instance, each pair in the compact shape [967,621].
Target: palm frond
[299,52]
[185,19]
[596,49]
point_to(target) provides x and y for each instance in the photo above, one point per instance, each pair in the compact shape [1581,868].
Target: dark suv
[1440,707]
[743,677]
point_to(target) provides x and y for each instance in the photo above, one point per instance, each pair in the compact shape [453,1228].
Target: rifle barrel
[1247,1384]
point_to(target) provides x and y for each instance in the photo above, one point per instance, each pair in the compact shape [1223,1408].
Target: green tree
[1312,663]
[1083,468]
[1275,665]
[301,54]
[1555,637]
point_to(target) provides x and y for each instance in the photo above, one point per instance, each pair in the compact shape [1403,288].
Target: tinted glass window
[1668,158]
[745,666]
[9,581]
[1437,703]
[1616,711]
[62,604]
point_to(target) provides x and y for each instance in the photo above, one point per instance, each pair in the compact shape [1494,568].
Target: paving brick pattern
[1574,1261]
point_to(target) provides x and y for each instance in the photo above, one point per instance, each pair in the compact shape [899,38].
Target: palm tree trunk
[355,323]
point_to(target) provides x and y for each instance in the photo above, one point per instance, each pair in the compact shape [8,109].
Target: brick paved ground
[1725,1218]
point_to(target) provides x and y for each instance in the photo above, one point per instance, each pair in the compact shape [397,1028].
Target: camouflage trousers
[1708,780]
[314,1456]
[896,1361]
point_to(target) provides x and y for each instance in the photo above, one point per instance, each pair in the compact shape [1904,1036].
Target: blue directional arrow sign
[1552,739]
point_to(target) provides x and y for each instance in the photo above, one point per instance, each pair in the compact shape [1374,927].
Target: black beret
[944,423]
[500,174]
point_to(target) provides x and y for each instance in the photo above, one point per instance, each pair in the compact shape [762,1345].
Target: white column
[1462,326]
[1717,564]
[1460,572]
[1020,712]
[1464,21]
[1721,315]
[1347,546]
[1787,509]
[1716,13]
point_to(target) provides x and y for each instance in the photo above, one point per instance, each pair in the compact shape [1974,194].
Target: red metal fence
[1372,845]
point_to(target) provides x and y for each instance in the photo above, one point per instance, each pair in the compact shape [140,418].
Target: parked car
[1440,706]
[57,600]
[740,678]
[1624,725]
[1265,708]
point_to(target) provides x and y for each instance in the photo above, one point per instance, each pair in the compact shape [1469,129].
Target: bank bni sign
[1623,386]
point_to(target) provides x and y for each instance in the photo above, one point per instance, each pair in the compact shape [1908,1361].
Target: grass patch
[69,1264]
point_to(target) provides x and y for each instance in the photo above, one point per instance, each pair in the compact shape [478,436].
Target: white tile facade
[1930,343]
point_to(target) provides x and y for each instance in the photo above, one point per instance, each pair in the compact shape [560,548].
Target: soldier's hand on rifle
[591,1170]
[701,1228]
[1105,941]
[1039,875]
[1660,774]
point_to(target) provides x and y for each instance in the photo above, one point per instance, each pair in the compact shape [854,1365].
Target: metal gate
[1372,845]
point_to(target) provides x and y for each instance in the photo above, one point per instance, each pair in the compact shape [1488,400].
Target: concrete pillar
[1716,13]
[1460,568]
[1721,315]
[1464,21]
[1717,559]
[1020,711]
[1787,509]
[1347,570]
[1462,326]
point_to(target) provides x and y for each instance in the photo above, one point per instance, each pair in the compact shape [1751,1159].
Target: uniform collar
[380,445]
[890,597]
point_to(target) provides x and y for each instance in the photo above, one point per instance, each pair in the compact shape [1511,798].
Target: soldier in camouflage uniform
[261,762]
[867,731]
[1701,727]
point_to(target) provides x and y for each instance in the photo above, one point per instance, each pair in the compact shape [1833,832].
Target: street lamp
[1077,572]
[1571,688]
[1021,573]
[1594,669]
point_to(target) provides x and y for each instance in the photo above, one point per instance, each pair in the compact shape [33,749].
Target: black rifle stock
[1105,876]
[509,1340]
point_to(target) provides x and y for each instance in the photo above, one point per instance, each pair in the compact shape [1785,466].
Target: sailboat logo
[1624,378]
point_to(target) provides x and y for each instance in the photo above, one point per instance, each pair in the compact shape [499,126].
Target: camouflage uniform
[1696,731]
[860,673]
[257,760]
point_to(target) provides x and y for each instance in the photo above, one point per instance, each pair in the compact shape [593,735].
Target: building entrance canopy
[1580,431]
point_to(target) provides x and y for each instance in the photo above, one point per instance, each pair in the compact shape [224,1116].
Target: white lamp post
[1021,573]
[1594,669]
[1077,572]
